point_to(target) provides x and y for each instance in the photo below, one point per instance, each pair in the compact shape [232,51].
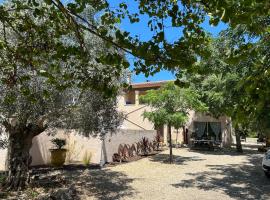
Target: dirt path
[194,175]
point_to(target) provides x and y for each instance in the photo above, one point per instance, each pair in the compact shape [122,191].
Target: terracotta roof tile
[156,84]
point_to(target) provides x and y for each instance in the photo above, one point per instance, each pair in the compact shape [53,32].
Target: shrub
[157,141]
[2,178]
[116,157]
[31,193]
[87,158]
[132,150]
[126,151]
[59,143]
[145,146]
[138,148]
[252,134]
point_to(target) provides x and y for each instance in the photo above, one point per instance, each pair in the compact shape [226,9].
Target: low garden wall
[78,146]
[124,137]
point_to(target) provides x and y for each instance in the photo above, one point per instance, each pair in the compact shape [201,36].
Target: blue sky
[144,33]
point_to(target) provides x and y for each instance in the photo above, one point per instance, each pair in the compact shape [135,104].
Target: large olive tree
[49,80]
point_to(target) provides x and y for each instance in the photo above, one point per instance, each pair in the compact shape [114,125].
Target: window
[208,130]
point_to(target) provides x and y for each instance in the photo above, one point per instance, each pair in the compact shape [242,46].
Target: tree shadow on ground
[103,184]
[178,160]
[243,181]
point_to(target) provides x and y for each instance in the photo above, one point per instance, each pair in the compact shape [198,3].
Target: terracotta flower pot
[58,157]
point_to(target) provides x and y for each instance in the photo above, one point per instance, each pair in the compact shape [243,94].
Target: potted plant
[58,155]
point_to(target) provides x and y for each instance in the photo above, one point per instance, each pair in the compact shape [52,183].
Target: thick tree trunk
[170,142]
[20,142]
[238,140]
[267,142]
[184,135]
[18,159]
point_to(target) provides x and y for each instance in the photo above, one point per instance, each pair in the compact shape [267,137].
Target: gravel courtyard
[194,175]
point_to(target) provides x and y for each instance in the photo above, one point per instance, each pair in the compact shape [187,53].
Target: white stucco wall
[135,121]
[77,146]
[111,143]
[3,155]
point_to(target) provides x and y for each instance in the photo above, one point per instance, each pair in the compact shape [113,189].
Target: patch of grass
[87,158]
[31,193]
[4,195]
[2,178]
[252,134]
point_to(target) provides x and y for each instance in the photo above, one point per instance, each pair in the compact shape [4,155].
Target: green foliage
[145,148]
[47,77]
[171,105]
[178,120]
[159,118]
[237,89]
[252,134]
[59,143]
[31,193]
[38,40]
[157,52]
[87,156]
[46,24]
[2,178]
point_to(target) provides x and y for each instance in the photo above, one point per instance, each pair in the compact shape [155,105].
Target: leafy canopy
[36,40]
[47,79]
[238,89]
[151,56]
[172,104]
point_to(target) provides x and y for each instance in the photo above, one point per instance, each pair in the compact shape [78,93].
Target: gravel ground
[204,175]
[194,175]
